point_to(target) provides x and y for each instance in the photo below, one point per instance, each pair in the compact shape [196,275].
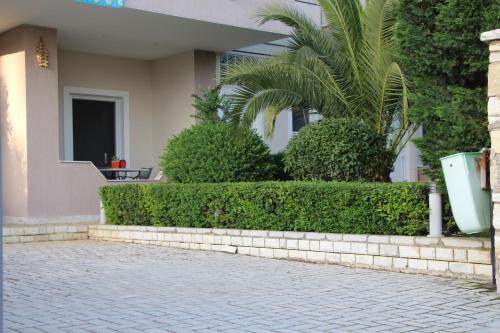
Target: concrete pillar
[493,39]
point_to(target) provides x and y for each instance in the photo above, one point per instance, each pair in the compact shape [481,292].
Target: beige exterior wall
[40,188]
[173,84]
[84,70]
[13,123]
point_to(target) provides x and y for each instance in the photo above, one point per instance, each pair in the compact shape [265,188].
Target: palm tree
[344,70]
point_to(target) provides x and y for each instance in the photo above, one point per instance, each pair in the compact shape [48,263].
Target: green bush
[212,153]
[439,49]
[338,149]
[337,207]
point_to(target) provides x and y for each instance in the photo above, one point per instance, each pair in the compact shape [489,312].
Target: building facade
[81,84]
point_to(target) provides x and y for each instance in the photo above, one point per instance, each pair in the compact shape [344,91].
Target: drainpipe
[436,213]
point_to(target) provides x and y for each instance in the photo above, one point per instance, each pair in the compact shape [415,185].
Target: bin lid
[472,153]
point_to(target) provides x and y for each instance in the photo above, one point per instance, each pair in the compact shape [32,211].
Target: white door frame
[122,121]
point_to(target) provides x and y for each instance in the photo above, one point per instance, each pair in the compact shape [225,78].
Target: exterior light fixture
[42,54]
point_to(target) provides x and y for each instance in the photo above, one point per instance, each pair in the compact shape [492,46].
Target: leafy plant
[337,207]
[211,106]
[438,46]
[210,152]
[338,149]
[346,70]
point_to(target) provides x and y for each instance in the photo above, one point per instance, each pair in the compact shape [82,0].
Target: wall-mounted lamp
[42,54]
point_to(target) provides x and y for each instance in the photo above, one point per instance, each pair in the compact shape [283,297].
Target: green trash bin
[469,202]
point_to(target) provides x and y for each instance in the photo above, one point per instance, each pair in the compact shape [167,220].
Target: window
[299,120]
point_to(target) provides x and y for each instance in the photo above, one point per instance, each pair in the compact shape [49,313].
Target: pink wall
[64,191]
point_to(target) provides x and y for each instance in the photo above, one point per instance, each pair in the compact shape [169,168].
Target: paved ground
[86,286]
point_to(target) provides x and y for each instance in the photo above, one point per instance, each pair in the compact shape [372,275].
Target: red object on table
[123,164]
[115,164]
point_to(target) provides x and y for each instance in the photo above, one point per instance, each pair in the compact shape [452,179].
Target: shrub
[211,153]
[439,49]
[337,207]
[338,149]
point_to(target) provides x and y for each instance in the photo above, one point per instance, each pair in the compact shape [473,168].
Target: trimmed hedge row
[336,207]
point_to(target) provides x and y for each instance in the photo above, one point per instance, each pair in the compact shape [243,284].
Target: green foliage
[438,46]
[211,152]
[337,207]
[338,149]
[211,106]
[346,70]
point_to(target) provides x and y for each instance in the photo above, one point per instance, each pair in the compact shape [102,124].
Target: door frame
[122,121]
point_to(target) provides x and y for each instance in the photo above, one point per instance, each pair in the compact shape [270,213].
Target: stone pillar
[493,39]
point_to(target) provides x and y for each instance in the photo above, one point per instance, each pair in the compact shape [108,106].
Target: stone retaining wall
[455,257]
[41,233]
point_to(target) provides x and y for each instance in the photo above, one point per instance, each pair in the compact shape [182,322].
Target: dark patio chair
[145,173]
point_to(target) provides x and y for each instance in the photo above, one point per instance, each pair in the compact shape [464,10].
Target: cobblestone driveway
[86,286]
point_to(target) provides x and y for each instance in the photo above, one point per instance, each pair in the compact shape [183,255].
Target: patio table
[121,173]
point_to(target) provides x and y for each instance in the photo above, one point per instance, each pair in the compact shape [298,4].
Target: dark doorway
[94,132]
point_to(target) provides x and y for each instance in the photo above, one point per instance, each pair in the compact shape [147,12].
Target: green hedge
[337,207]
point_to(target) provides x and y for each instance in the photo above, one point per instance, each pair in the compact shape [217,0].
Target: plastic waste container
[469,202]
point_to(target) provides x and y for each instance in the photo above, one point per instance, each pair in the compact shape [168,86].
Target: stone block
[402,240]
[409,251]
[348,258]
[265,252]
[461,268]
[316,256]
[244,250]
[276,234]
[460,255]
[385,262]
[197,238]
[304,245]
[233,232]
[342,247]
[217,239]
[230,249]
[258,242]
[417,264]
[437,266]
[314,245]
[373,249]
[302,255]
[364,260]
[494,79]
[195,246]
[479,256]
[326,246]
[220,232]
[292,244]
[208,239]
[282,243]
[334,237]
[389,250]
[400,263]
[444,254]
[247,241]
[186,238]
[273,243]
[280,254]
[494,46]
[427,241]
[315,235]
[483,270]
[333,258]
[225,240]
[355,238]
[427,253]
[461,242]
[494,57]
[254,233]
[293,234]
[359,248]
[254,251]
[378,239]
[236,241]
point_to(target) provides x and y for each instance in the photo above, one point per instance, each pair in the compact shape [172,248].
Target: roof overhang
[135,32]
